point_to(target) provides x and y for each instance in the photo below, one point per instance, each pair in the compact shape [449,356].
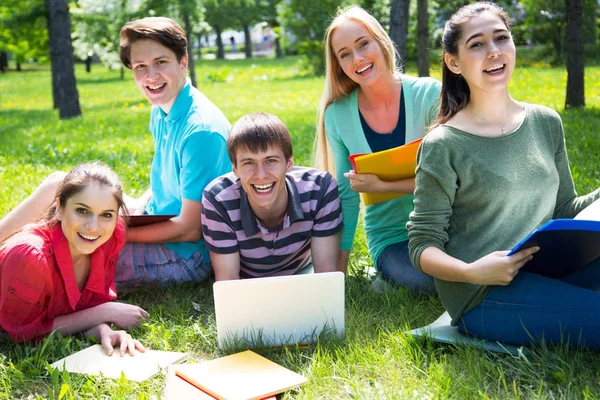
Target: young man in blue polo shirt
[190,135]
[267,217]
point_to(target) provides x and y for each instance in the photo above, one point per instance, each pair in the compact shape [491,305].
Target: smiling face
[88,219]
[262,175]
[358,53]
[157,73]
[486,53]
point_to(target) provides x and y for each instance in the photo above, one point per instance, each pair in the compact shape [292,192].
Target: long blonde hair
[337,83]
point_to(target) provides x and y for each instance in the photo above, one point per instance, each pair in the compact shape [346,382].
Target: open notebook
[94,361]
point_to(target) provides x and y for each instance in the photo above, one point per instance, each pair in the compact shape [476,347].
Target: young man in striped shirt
[267,217]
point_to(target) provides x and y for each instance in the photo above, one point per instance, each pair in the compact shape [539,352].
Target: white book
[139,367]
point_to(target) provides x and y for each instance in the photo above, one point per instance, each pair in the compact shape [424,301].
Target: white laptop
[279,311]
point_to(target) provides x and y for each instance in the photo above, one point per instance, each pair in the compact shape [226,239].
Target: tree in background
[96,28]
[23,31]
[575,54]
[399,26]
[307,20]
[423,44]
[66,97]
[216,15]
[244,14]
[268,10]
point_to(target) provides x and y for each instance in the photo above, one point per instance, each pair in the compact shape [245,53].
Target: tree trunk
[220,49]
[3,61]
[278,50]
[61,57]
[247,42]
[399,26]
[422,38]
[199,39]
[575,54]
[53,67]
[190,48]
[557,39]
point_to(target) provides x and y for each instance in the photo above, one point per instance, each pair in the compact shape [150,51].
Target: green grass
[376,360]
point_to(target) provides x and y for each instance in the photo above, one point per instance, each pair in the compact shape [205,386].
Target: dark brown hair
[82,176]
[257,132]
[455,93]
[163,30]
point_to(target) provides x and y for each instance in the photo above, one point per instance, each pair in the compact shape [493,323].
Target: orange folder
[389,165]
[240,376]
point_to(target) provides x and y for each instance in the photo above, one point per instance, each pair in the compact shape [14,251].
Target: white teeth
[156,87]
[263,188]
[494,68]
[87,237]
[360,71]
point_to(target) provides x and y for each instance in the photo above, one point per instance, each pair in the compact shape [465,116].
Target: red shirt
[37,282]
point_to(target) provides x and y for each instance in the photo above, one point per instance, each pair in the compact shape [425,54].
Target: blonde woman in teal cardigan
[369,106]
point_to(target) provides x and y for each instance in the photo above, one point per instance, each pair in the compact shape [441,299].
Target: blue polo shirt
[190,152]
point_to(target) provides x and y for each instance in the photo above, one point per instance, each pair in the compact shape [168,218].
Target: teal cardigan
[385,223]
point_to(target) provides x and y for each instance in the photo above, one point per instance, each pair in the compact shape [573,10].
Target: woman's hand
[127,344]
[124,315]
[364,182]
[498,268]
[110,338]
[372,184]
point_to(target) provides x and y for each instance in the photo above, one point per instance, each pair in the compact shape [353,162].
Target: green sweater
[476,195]
[385,223]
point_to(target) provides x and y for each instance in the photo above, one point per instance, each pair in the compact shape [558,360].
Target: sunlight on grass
[376,360]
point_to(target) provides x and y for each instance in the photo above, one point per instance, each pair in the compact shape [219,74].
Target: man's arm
[225,266]
[185,227]
[137,205]
[324,251]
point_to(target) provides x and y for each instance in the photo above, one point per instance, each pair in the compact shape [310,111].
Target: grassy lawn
[376,360]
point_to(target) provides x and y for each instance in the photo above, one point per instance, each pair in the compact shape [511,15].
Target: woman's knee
[54,179]
[48,187]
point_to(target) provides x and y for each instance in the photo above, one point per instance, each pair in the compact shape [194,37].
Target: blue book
[566,245]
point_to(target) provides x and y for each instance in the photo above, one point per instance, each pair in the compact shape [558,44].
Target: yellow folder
[389,165]
[240,376]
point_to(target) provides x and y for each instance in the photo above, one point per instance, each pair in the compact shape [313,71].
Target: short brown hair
[257,132]
[163,30]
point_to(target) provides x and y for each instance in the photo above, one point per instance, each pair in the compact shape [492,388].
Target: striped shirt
[230,226]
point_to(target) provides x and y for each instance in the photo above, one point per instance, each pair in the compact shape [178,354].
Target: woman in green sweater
[493,170]
[368,106]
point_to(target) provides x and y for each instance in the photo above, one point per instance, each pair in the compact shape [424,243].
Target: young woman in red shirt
[58,274]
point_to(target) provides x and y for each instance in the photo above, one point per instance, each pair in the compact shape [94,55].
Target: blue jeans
[395,267]
[146,264]
[533,307]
